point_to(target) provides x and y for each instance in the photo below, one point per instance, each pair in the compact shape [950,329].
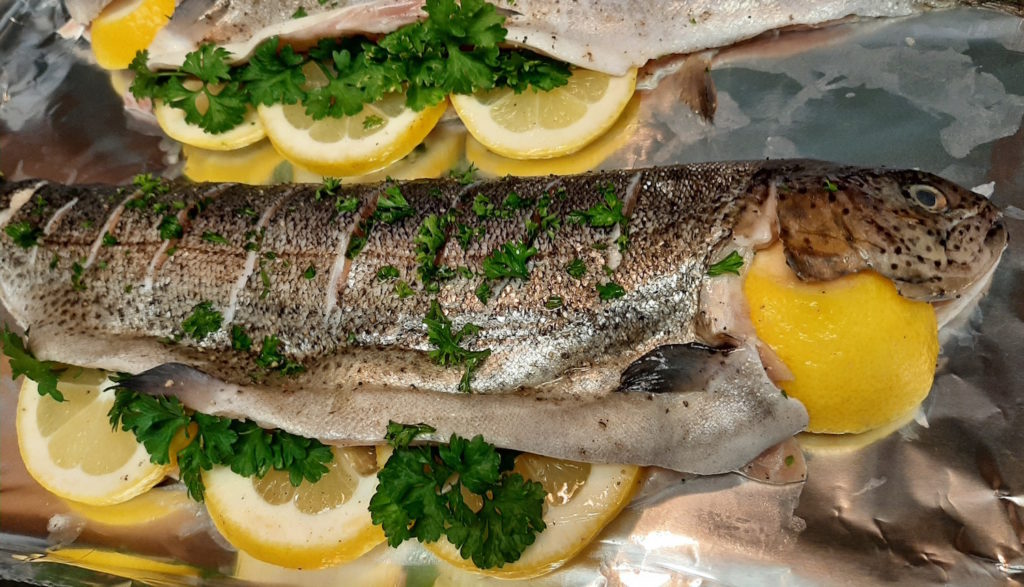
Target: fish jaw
[931,237]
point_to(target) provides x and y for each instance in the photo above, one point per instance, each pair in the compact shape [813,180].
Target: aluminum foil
[935,500]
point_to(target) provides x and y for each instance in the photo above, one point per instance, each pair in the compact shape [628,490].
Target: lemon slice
[382,133]
[438,153]
[582,500]
[586,159]
[254,164]
[155,504]
[145,570]
[540,125]
[172,122]
[312,526]
[69,448]
[372,570]
[126,27]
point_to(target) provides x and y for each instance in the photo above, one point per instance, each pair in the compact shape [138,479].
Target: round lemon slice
[371,570]
[312,526]
[540,125]
[582,500]
[126,27]
[172,122]
[382,133]
[69,448]
[254,164]
[586,159]
[155,504]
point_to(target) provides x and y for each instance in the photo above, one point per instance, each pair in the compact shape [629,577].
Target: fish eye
[928,196]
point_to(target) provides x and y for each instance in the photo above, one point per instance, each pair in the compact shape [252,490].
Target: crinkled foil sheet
[939,500]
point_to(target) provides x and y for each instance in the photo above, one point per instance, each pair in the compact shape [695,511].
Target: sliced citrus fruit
[382,133]
[69,448]
[438,153]
[586,159]
[145,570]
[540,125]
[861,355]
[172,122]
[254,164]
[155,504]
[371,570]
[312,526]
[126,27]
[582,500]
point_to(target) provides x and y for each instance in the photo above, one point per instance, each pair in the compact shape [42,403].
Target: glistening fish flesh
[114,275]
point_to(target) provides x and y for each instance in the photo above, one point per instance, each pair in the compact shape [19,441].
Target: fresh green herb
[265,280]
[213,237]
[576,268]
[54,261]
[464,234]
[170,228]
[401,436]
[328,189]
[274,75]
[514,201]
[245,447]
[448,351]
[44,373]
[605,215]
[300,12]
[171,251]
[202,322]
[429,241]
[509,261]
[346,205]
[351,339]
[148,185]
[548,223]
[483,292]
[790,459]
[77,273]
[387,273]
[420,494]
[109,240]
[829,186]
[403,290]
[24,234]
[310,272]
[464,272]
[392,206]
[610,291]
[372,121]
[730,264]
[272,359]
[240,341]
[554,302]
[248,212]
[465,176]
[482,207]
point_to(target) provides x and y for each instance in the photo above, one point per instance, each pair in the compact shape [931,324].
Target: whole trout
[568,305]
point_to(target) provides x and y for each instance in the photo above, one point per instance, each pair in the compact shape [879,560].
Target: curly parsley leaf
[273,75]
[392,206]
[448,351]
[272,359]
[401,435]
[24,234]
[170,228]
[509,260]
[610,291]
[387,273]
[730,264]
[202,321]
[240,341]
[44,373]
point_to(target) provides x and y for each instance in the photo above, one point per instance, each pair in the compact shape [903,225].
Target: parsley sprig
[448,351]
[240,444]
[420,495]
[454,50]
[730,264]
[44,373]
[606,214]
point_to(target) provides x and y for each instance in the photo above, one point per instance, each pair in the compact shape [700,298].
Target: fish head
[933,238]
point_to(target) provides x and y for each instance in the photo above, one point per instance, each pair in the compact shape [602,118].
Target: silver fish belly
[596,380]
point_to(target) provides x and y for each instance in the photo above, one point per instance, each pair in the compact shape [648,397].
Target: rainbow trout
[555,315]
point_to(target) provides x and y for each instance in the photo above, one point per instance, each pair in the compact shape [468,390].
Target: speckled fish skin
[365,348]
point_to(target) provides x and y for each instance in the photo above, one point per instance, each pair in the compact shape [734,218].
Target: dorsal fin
[673,368]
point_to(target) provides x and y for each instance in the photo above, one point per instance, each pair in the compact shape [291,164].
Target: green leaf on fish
[24,234]
[610,291]
[44,373]
[509,261]
[448,351]
[576,268]
[730,264]
[202,321]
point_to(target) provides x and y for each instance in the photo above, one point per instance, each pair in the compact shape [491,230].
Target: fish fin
[672,368]
[697,89]
[162,379]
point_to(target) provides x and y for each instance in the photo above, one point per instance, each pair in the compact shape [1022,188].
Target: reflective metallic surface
[938,500]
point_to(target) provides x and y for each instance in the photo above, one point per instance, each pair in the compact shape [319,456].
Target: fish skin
[682,219]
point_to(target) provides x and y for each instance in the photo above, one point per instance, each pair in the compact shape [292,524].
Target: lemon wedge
[382,133]
[254,164]
[582,500]
[438,153]
[156,504]
[172,122]
[540,125]
[126,27]
[586,159]
[69,448]
[312,526]
[861,355]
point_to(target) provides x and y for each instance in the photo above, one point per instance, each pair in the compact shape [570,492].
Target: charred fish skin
[351,328]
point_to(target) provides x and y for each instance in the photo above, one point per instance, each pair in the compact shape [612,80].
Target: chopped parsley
[246,448]
[483,292]
[387,273]
[392,206]
[272,359]
[328,189]
[730,264]
[830,186]
[448,351]
[240,341]
[554,302]
[606,215]
[300,12]
[213,237]
[420,494]
[24,234]
[482,207]
[509,261]
[429,241]
[110,240]
[170,228]
[44,373]
[576,268]
[309,273]
[202,321]
[466,176]
[372,121]
[402,290]
[77,273]
[610,291]
[346,205]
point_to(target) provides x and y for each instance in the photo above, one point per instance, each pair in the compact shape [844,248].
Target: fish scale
[548,369]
